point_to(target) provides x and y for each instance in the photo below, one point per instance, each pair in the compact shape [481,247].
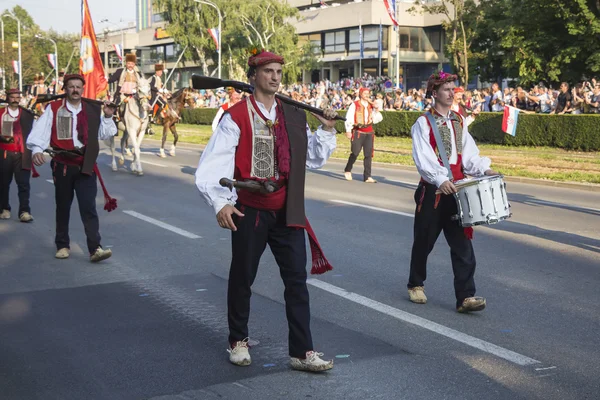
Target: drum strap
[440,144]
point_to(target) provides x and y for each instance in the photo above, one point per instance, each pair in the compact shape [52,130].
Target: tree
[459,34]
[261,23]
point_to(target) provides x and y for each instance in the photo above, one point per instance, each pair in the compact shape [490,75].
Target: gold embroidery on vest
[263,145]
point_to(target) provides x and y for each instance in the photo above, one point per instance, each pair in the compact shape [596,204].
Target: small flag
[509,121]
[360,40]
[214,33]
[52,60]
[322,3]
[15,65]
[390,6]
[119,51]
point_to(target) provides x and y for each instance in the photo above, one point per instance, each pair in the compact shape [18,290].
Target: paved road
[150,322]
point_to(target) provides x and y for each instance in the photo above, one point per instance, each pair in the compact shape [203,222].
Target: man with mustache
[72,128]
[15,158]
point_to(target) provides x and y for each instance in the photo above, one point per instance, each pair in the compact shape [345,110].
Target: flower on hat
[254,50]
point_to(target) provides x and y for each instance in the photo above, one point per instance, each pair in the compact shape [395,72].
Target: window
[157,54]
[335,42]
[158,17]
[315,41]
[416,39]
[370,38]
[172,52]
[435,38]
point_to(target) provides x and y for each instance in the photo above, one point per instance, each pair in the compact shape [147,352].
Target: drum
[482,201]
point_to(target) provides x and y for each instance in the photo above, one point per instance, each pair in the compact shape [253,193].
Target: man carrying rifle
[72,127]
[261,139]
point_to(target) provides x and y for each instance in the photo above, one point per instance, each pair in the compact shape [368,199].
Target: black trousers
[430,220]
[365,142]
[69,181]
[11,166]
[254,231]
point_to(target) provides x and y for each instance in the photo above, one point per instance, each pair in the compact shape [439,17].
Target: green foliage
[569,132]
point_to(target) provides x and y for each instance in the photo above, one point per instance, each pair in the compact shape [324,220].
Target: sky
[65,15]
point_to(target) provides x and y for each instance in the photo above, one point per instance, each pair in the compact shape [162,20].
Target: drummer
[434,211]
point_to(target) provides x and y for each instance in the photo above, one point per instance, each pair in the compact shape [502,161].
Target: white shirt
[376,116]
[41,133]
[427,162]
[12,113]
[215,122]
[498,106]
[218,158]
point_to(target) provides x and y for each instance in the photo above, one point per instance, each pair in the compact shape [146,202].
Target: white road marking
[482,345]
[565,206]
[349,203]
[155,164]
[398,181]
[162,225]
[544,369]
[50,181]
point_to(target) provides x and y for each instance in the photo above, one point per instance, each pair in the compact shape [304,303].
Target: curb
[589,187]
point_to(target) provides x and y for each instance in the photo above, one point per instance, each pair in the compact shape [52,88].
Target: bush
[570,132]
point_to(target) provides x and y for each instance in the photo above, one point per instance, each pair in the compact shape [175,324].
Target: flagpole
[380,47]
[360,49]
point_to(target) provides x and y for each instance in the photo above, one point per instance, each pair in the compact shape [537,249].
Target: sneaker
[471,304]
[161,153]
[5,214]
[63,253]
[417,295]
[370,180]
[25,217]
[238,354]
[312,362]
[100,254]
[348,176]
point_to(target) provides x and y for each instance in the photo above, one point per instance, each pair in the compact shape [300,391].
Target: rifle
[206,82]
[46,98]
[264,187]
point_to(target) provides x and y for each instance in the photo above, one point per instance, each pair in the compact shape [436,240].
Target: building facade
[412,51]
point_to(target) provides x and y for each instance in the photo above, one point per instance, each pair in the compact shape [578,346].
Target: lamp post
[8,14]
[105,20]
[208,3]
[55,54]
[3,61]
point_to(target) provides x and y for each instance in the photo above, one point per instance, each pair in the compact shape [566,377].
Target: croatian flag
[390,6]
[214,33]
[509,121]
[52,60]
[322,3]
[119,51]
[15,65]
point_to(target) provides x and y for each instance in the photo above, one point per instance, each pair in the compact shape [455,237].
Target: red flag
[90,62]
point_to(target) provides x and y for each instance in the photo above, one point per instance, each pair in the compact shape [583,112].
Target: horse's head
[143,93]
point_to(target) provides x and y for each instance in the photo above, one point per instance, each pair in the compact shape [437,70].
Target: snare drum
[482,201]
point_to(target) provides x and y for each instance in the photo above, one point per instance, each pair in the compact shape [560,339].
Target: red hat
[459,89]
[13,91]
[69,77]
[363,89]
[263,58]
[438,79]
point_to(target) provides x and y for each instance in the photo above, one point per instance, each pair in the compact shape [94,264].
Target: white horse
[133,124]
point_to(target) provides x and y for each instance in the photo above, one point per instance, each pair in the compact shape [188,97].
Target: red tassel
[320,265]
[110,204]
[469,233]
[437,201]
[34,173]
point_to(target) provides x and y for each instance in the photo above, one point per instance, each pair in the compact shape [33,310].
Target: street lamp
[105,20]
[8,14]
[208,3]
[55,55]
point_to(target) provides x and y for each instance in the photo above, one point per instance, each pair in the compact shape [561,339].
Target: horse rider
[156,89]
[128,82]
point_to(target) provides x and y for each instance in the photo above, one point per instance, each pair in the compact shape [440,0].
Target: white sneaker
[62,253]
[5,214]
[172,151]
[370,180]
[239,354]
[100,254]
[348,176]
[25,217]
[312,362]
[162,153]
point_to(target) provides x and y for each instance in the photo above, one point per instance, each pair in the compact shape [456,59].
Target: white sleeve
[472,162]
[107,129]
[350,117]
[320,147]
[41,132]
[377,117]
[215,122]
[424,155]
[218,161]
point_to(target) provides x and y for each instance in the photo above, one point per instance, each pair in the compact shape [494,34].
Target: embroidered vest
[62,132]
[255,157]
[359,117]
[446,134]
[14,133]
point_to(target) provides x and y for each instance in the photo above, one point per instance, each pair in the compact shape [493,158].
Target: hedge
[570,132]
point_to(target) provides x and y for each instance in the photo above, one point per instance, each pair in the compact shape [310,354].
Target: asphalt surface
[150,323]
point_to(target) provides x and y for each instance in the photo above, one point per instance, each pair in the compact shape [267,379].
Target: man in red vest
[15,158]
[234,98]
[434,211]
[72,127]
[267,142]
[360,117]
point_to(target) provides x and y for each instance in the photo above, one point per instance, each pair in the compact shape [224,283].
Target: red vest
[21,129]
[359,119]
[18,143]
[457,168]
